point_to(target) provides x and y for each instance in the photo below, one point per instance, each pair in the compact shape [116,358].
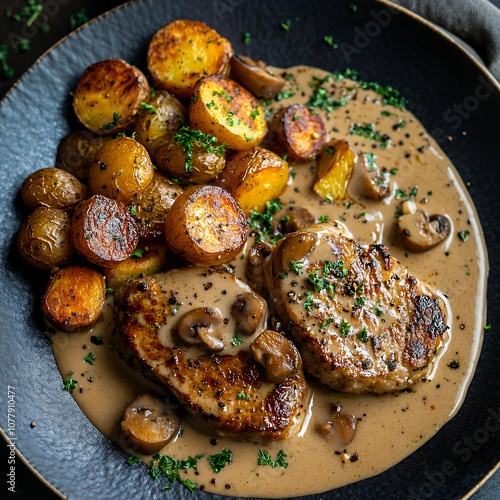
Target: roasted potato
[104,231]
[121,168]
[223,108]
[191,156]
[54,188]
[108,96]
[298,132]
[334,170]
[256,77]
[150,207]
[148,426]
[161,117]
[43,239]
[254,177]
[182,52]
[205,226]
[74,298]
[77,151]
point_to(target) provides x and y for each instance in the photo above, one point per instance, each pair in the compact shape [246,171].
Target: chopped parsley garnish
[247,37]
[321,99]
[90,358]
[386,113]
[286,25]
[132,460]
[296,266]
[285,94]
[321,283]
[260,222]
[367,130]
[283,276]
[236,341]
[370,157]
[188,138]
[70,385]
[78,19]
[330,150]
[377,309]
[219,461]
[166,466]
[132,210]
[353,7]
[336,268]
[138,253]
[330,41]
[7,71]
[265,459]
[97,339]
[464,235]
[30,11]
[326,323]
[113,124]
[345,328]
[242,396]
[323,218]
[363,335]
[148,107]
[223,93]
[110,291]
[309,302]
[487,327]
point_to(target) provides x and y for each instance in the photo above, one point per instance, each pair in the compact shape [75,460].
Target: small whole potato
[43,239]
[205,226]
[161,117]
[121,168]
[52,187]
[77,150]
[104,231]
[74,298]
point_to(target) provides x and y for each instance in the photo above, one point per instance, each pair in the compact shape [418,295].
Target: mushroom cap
[419,232]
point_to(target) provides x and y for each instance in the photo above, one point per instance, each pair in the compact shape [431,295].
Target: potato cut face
[206,226]
[74,298]
[182,52]
[109,95]
[223,108]
[335,167]
[254,177]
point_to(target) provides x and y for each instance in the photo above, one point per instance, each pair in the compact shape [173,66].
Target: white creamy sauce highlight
[389,427]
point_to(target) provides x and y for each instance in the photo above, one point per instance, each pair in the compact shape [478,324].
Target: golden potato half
[109,95]
[182,52]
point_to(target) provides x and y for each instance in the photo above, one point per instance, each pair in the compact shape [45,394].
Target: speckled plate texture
[445,88]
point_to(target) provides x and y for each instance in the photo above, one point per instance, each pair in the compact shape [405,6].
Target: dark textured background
[28,486]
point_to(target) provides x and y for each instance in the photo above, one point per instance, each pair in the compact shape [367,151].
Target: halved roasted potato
[223,108]
[74,298]
[206,226]
[161,116]
[254,177]
[150,207]
[298,132]
[191,156]
[104,231]
[182,52]
[43,239]
[334,170]
[121,168]
[109,95]
[52,187]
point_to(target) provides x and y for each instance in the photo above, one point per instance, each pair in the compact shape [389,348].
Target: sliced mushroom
[255,270]
[339,430]
[277,355]
[419,232]
[202,326]
[255,77]
[296,247]
[375,182]
[249,312]
[147,425]
[292,219]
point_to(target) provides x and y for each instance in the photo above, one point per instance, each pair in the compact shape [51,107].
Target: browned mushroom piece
[279,357]
[292,219]
[202,326]
[419,232]
[375,182]
[147,425]
[297,247]
[255,262]
[255,77]
[339,430]
[249,312]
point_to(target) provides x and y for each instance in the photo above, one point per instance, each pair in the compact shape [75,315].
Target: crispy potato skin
[155,125]
[77,151]
[298,132]
[74,298]
[171,159]
[150,207]
[223,108]
[334,170]
[52,187]
[121,168]
[43,239]
[104,231]
[205,226]
[182,52]
[254,177]
[109,95]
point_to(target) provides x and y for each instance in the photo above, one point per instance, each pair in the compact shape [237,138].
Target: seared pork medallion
[202,333]
[361,322]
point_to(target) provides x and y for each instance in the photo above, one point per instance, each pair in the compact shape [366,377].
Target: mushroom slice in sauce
[340,428]
[201,326]
[255,77]
[249,312]
[419,232]
[147,425]
[375,182]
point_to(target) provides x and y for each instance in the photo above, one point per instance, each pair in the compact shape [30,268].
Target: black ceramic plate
[446,89]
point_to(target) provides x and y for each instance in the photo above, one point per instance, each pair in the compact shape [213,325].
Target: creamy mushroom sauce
[389,427]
